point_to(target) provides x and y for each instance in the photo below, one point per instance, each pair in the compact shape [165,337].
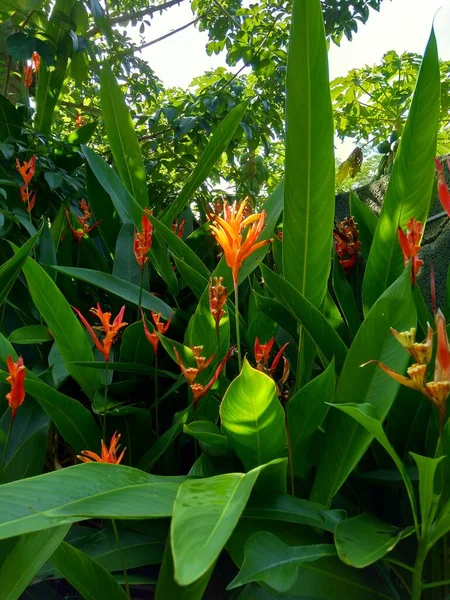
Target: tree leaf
[269,560]
[122,136]
[31,334]
[410,184]
[86,575]
[216,146]
[252,418]
[23,556]
[204,516]
[309,163]
[345,442]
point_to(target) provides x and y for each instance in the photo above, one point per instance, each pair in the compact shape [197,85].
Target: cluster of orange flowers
[346,243]
[110,330]
[27,170]
[410,245]
[159,326]
[32,68]
[143,240]
[84,228]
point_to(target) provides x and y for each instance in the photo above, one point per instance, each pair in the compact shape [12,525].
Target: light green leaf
[32,334]
[252,418]
[428,501]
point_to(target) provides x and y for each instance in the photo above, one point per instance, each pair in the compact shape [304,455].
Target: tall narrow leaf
[309,178]
[122,136]
[410,186]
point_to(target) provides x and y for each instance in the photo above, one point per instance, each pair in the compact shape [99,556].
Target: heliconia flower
[346,243]
[26,169]
[178,229]
[229,233]
[217,299]
[190,373]
[111,331]
[443,191]
[28,76]
[159,326]
[410,245]
[143,240]
[16,380]
[108,455]
[28,197]
[262,355]
[201,361]
[35,61]
[79,233]
[438,390]
[79,120]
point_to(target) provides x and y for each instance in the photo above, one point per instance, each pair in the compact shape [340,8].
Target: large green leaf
[86,575]
[81,492]
[213,151]
[362,540]
[253,419]
[310,169]
[122,136]
[31,334]
[64,325]
[309,317]
[11,122]
[410,185]
[428,500]
[345,442]
[366,222]
[10,270]
[204,516]
[51,80]
[306,411]
[269,560]
[103,209]
[23,556]
[125,266]
[121,288]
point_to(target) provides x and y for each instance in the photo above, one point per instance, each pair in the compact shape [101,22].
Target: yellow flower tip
[405,338]
[369,362]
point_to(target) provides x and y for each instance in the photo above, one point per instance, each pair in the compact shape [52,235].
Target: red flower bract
[110,330]
[410,245]
[143,241]
[17,381]
[108,455]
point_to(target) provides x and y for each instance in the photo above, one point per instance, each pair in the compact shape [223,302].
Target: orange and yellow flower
[159,327]
[443,191]
[178,228]
[262,356]
[217,299]
[143,240]
[108,455]
[28,76]
[410,245]
[111,331]
[237,234]
[16,380]
[26,169]
[437,390]
[79,233]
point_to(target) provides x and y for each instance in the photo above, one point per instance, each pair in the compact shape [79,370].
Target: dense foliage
[204,397]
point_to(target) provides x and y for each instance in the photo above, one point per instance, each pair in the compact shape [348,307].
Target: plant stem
[399,563]
[435,584]
[5,451]
[122,561]
[238,333]
[289,448]
[105,403]
[141,282]
[156,397]
[78,254]
[417,585]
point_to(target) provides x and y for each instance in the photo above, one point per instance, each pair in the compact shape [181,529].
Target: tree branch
[166,35]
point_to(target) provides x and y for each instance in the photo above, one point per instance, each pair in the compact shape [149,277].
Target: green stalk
[238,332]
[417,583]
[141,282]
[156,397]
[5,451]
[105,403]
[122,560]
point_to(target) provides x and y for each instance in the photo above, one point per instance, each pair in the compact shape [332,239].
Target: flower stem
[238,333]
[5,450]
[417,584]
[156,397]
[122,561]
[141,282]
[105,403]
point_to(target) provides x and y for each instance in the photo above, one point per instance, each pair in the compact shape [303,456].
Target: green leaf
[103,209]
[32,334]
[125,266]
[191,277]
[362,540]
[310,170]
[213,151]
[366,221]
[313,321]
[50,82]
[10,120]
[64,325]
[10,270]
[204,516]
[345,442]
[269,560]
[89,578]
[252,418]
[306,411]
[82,134]
[428,501]
[208,433]
[411,182]
[163,266]
[122,136]
[366,415]
[165,440]
[24,556]
[81,492]
[345,297]
[119,287]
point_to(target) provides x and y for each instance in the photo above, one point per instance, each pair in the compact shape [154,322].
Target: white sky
[401,25]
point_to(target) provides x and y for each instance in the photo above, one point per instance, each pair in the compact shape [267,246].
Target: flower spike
[108,455]
[152,337]
[111,331]
[443,191]
[143,240]
[410,245]
[16,380]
